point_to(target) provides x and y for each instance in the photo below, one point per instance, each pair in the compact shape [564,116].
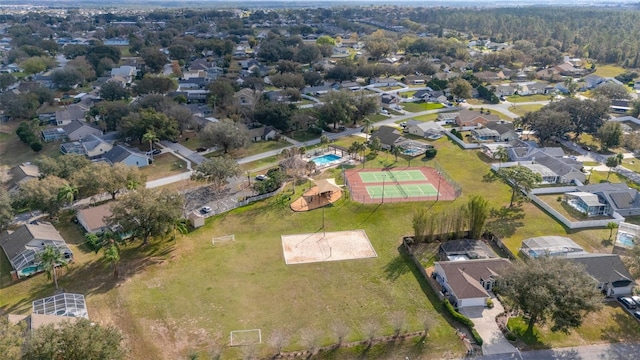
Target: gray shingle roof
[464,277]
[603,267]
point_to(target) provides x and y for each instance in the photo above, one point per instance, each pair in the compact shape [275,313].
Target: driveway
[484,320]
[193,156]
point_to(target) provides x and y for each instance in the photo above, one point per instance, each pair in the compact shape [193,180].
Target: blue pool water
[625,239]
[28,271]
[413,151]
[326,159]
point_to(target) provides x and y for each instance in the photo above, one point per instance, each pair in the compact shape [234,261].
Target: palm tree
[367,124]
[396,151]
[67,193]
[151,137]
[501,154]
[611,226]
[180,226]
[50,259]
[112,256]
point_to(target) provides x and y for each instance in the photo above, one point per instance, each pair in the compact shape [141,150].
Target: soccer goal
[223,240]
[245,337]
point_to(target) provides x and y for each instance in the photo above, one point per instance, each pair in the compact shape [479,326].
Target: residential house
[116,42]
[549,74]
[485,134]
[23,245]
[556,170]
[505,90]
[21,174]
[77,130]
[247,97]
[262,133]
[591,81]
[448,118]
[123,155]
[387,100]
[91,147]
[424,129]
[93,219]
[474,118]
[467,283]
[70,113]
[388,136]
[126,72]
[383,82]
[608,271]
[506,131]
[605,199]
[490,76]
[46,81]
[621,105]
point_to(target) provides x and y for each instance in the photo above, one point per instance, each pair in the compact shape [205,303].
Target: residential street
[613,351]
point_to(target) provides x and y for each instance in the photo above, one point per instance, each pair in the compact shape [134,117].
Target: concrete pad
[484,320]
[326,246]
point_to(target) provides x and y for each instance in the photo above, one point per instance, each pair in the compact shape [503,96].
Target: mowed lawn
[164,165]
[523,109]
[421,106]
[203,292]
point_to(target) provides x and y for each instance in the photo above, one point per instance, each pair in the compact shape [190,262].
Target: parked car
[156,151]
[588,148]
[627,302]
[636,299]
[637,314]
[261,177]
[205,209]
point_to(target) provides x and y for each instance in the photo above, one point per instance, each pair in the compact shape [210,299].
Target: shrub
[476,337]
[510,336]
[490,303]
[36,146]
[430,153]
[457,316]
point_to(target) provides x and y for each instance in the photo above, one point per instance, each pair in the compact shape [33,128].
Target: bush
[510,336]
[430,153]
[476,337]
[457,316]
[36,146]
[490,303]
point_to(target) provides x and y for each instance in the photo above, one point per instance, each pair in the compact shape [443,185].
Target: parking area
[631,304]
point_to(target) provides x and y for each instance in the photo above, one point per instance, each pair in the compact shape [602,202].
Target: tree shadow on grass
[505,221]
[490,177]
[398,266]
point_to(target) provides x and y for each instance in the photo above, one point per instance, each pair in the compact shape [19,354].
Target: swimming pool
[325,160]
[626,239]
[413,151]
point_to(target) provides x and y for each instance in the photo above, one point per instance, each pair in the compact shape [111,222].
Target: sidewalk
[484,320]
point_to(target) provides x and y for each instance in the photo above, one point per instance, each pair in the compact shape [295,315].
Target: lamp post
[438,191]
[383,178]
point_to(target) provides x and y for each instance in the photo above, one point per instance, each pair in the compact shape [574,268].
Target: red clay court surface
[400,185]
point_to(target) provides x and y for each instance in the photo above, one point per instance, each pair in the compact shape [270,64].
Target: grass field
[608,70]
[252,148]
[528,98]
[610,324]
[421,106]
[164,165]
[523,109]
[14,152]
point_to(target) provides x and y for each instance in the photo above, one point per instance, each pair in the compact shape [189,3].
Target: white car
[205,209]
[261,177]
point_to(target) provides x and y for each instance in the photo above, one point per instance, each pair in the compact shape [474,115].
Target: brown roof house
[21,174]
[247,97]
[474,118]
[467,283]
[93,219]
[24,244]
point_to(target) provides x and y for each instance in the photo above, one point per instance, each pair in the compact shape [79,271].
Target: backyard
[527,98]
[421,106]
[20,152]
[523,109]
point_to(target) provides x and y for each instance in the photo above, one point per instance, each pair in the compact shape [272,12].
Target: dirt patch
[326,246]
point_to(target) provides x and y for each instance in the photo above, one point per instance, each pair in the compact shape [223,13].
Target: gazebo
[325,192]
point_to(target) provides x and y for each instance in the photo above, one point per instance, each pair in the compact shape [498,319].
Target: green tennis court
[404,191]
[394,175]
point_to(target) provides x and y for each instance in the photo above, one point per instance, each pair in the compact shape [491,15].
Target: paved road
[616,351]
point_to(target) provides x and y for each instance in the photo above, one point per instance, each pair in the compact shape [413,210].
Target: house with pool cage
[605,199]
[23,245]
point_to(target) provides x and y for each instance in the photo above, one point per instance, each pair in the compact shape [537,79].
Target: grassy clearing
[191,140]
[425,118]
[523,109]
[303,135]
[610,324]
[408,94]
[14,152]
[566,210]
[527,98]
[251,148]
[164,165]
[609,70]
[632,164]
[421,106]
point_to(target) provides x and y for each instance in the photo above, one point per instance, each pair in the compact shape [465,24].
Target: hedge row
[463,320]
[456,315]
